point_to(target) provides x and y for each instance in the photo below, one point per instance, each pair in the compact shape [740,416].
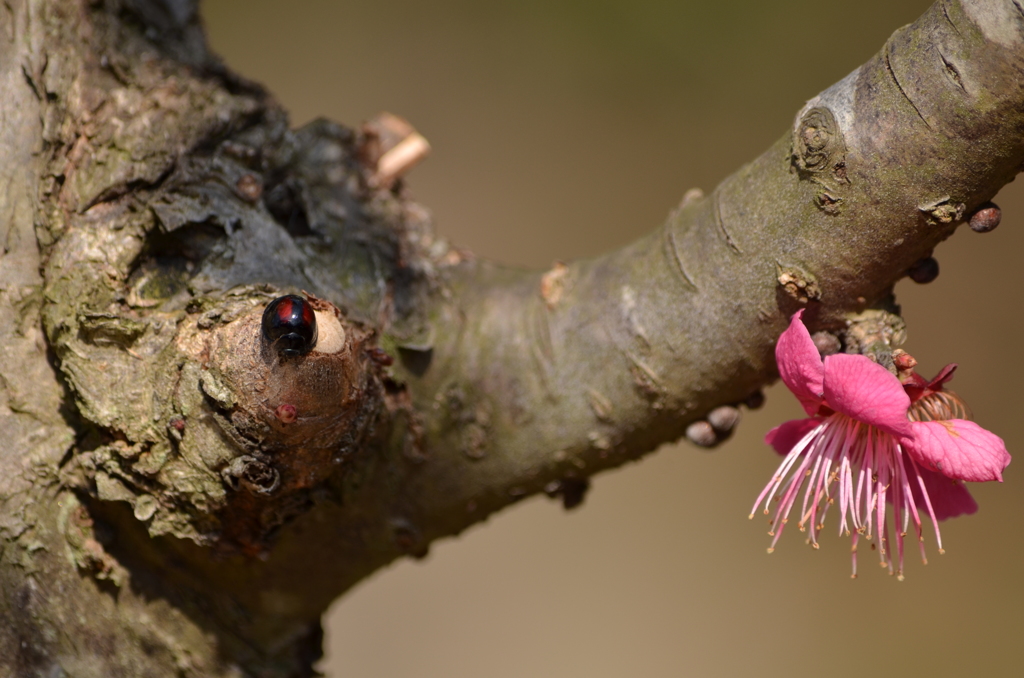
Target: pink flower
[870,441]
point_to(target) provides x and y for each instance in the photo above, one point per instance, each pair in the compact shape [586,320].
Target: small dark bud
[826,343]
[755,400]
[250,188]
[287,414]
[986,218]
[571,490]
[724,419]
[701,433]
[405,538]
[924,271]
[904,361]
[380,356]
[409,539]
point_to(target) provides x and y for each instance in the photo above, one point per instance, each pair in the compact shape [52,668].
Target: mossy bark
[176,498]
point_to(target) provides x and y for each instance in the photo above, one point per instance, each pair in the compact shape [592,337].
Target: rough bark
[178,499]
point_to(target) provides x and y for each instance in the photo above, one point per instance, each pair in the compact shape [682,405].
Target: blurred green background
[563,129]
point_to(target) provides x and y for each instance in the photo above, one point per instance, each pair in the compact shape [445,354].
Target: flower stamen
[860,469]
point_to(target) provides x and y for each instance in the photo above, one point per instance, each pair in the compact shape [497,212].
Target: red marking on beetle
[380,356]
[284,310]
[287,307]
[286,414]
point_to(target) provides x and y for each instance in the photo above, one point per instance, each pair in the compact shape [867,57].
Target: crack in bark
[896,81]
[945,13]
[673,251]
[542,350]
[31,83]
[952,71]
[717,202]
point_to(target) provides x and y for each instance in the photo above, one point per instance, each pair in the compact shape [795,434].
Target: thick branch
[563,374]
[302,475]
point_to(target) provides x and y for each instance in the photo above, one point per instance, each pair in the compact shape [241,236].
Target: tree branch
[560,375]
[247,488]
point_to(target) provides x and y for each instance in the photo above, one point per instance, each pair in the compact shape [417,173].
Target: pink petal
[958,449]
[785,436]
[867,392]
[949,497]
[800,364]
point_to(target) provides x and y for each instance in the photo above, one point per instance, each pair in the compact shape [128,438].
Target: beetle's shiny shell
[289,325]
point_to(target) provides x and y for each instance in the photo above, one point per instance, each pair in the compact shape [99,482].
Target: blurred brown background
[562,129]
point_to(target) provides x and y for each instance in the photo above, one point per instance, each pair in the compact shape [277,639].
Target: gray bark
[161,514]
